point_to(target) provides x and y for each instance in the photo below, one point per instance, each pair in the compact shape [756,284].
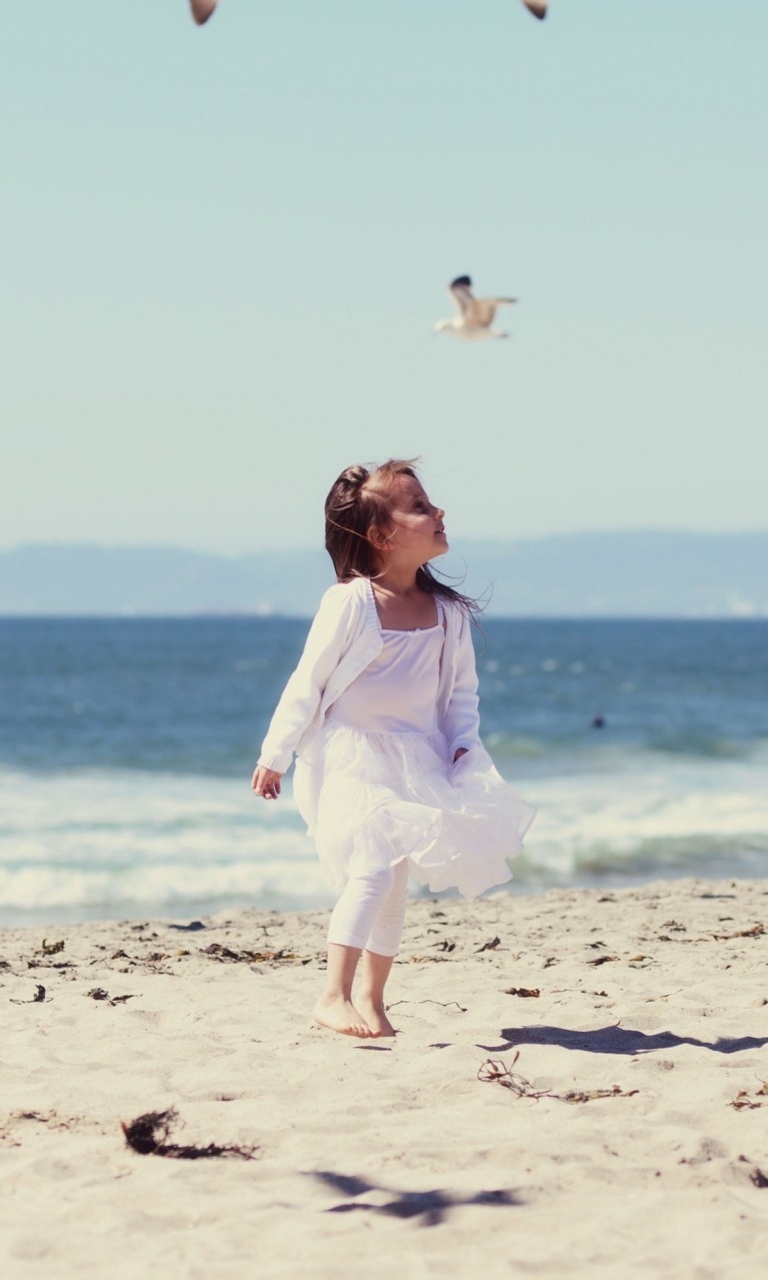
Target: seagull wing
[460,290]
[202,10]
[483,310]
[537,7]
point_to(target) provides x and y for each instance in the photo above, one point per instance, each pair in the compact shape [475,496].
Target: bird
[202,10]
[474,316]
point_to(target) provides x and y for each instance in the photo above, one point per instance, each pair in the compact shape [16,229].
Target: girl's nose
[439,513]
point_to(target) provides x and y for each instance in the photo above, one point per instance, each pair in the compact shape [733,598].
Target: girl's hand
[460,751]
[266,783]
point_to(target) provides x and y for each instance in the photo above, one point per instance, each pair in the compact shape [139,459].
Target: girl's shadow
[616,1039]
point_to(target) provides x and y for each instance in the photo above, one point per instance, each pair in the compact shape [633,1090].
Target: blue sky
[225,248]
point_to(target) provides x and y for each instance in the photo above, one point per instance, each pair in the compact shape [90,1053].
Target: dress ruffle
[372,799]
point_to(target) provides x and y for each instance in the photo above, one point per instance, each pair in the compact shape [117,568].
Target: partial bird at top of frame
[202,9]
[474,316]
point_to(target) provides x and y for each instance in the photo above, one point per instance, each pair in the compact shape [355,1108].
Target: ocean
[127,746]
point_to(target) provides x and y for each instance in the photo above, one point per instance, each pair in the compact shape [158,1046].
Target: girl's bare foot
[339,1014]
[375,1017]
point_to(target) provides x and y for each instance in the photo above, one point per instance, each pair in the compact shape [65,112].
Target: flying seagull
[474,316]
[202,10]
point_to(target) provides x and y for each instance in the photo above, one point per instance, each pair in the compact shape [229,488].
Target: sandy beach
[576,1089]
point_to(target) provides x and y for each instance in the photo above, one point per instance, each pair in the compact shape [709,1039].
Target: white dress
[382,787]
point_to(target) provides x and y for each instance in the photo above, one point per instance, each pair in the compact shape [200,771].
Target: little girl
[391,776]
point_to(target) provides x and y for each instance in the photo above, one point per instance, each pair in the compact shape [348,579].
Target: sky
[224,250]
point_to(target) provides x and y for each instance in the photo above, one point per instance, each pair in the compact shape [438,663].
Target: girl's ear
[377,537]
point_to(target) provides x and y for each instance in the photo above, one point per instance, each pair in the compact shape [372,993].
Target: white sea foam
[120,841]
[643,817]
[116,842]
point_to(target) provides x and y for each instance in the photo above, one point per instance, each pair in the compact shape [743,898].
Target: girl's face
[417,527]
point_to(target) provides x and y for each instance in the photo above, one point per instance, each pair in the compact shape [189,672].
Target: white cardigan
[343,639]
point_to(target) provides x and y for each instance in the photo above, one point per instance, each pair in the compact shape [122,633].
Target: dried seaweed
[98,993]
[444,1004]
[743,1102]
[601,960]
[525,992]
[494,1070]
[148,1135]
[219,952]
[51,948]
[489,946]
[756,931]
[38,997]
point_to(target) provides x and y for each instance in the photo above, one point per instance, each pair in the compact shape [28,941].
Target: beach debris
[219,952]
[525,992]
[51,948]
[38,997]
[474,316]
[489,946]
[15,1120]
[743,1101]
[194,926]
[444,1004]
[601,960]
[758,1178]
[445,945]
[756,931]
[496,1071]
[148,1134]
[98,993]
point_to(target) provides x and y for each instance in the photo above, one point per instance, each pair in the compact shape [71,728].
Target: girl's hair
[359,499]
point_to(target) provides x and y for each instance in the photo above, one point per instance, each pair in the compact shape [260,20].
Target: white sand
[391,1159]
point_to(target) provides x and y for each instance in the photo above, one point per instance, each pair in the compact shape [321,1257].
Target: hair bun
[356,476]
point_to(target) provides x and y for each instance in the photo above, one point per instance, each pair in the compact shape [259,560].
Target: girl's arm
[327,640]
[462,717]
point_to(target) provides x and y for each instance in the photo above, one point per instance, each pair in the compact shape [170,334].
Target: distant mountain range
[624,574]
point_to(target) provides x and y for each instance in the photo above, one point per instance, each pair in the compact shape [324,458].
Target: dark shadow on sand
[433,1205]
[618,1040]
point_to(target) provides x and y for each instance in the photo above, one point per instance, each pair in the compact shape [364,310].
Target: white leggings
[371,911]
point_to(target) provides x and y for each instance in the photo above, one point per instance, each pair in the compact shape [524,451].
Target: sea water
[127,746]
